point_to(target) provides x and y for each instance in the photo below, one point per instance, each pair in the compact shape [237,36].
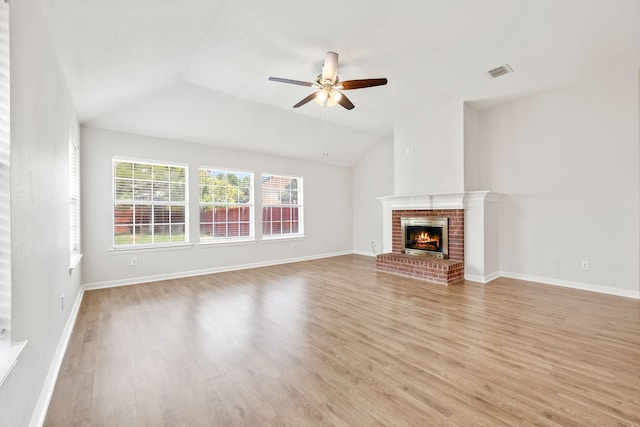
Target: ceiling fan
[329,85]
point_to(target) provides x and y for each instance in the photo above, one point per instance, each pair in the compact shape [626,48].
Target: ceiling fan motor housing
[330,68]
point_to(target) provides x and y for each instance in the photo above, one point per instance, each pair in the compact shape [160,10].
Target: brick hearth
[443,271]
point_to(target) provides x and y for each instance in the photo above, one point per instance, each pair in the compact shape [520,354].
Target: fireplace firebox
[427,236]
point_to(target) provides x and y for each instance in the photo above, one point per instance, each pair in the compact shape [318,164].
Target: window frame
[5,179]
[74,204]
[9,349]
[299,205]
[251,237]
[153,203]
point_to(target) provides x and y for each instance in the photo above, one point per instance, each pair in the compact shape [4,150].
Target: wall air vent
[500,71]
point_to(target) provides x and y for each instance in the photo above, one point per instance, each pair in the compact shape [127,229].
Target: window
[74,202]
[5,187]
[226,205]
[149,203]
[281,206]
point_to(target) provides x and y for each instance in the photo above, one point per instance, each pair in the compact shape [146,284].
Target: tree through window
[226,204]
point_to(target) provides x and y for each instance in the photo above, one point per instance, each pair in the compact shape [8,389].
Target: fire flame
[424,239]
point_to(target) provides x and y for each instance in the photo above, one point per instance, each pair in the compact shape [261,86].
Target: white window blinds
[149,203]
[74,197]
[5,210]
[281,206]
[226,204]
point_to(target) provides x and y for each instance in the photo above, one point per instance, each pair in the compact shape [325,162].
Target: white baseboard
[481,279]
[365,253]
[574,285]
[178,275]
[40,411]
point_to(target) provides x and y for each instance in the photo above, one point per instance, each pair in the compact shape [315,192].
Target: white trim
[439,201]
[8,358]
[40,411]
[424,201]
[153,203]
[212,243]
[149,161]
[574,285]
[493,276]
[8,352]
[213,204]
[226,169]
[281,175]
[481,279]
[280,237]
[74,260]
[299,205]
[132,249]
[74,198]
[178,275]
[365,253]
[481,197]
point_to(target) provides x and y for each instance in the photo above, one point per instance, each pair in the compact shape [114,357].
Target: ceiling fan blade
[359,84]
[344,101]
[305,100]
[330,67]
[293,82]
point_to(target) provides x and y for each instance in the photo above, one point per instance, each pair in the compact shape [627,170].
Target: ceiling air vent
[500,71]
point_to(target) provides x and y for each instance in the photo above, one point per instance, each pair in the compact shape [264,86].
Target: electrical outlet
[584,265]
[555,261]
[134,261]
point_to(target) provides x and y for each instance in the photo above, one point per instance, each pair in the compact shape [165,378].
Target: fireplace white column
[481,240]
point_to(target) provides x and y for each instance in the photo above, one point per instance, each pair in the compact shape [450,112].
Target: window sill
[212,243]
[281,238]
[148,248]
[8,357]
[74,261]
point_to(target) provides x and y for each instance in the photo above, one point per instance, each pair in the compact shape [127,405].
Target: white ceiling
[196,70]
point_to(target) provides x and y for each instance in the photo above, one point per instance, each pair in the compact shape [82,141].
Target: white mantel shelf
[439,201]
[481,238]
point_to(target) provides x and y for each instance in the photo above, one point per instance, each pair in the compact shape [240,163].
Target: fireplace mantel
[481,210]
[439,201]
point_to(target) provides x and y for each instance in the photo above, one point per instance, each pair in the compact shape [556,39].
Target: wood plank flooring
[333,342]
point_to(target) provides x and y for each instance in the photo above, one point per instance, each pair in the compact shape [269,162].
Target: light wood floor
[333,342]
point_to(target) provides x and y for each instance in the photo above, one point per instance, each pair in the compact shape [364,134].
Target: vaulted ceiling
[196,70]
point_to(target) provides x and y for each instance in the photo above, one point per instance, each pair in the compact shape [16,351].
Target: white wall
[372,177]
[568,163]
[429,151]
[41,118]
[328,210]
[473,178]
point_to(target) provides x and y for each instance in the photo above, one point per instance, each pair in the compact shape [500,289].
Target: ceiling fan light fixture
[321,97]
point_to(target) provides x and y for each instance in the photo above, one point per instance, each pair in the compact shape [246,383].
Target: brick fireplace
[443,271]
[472,236]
